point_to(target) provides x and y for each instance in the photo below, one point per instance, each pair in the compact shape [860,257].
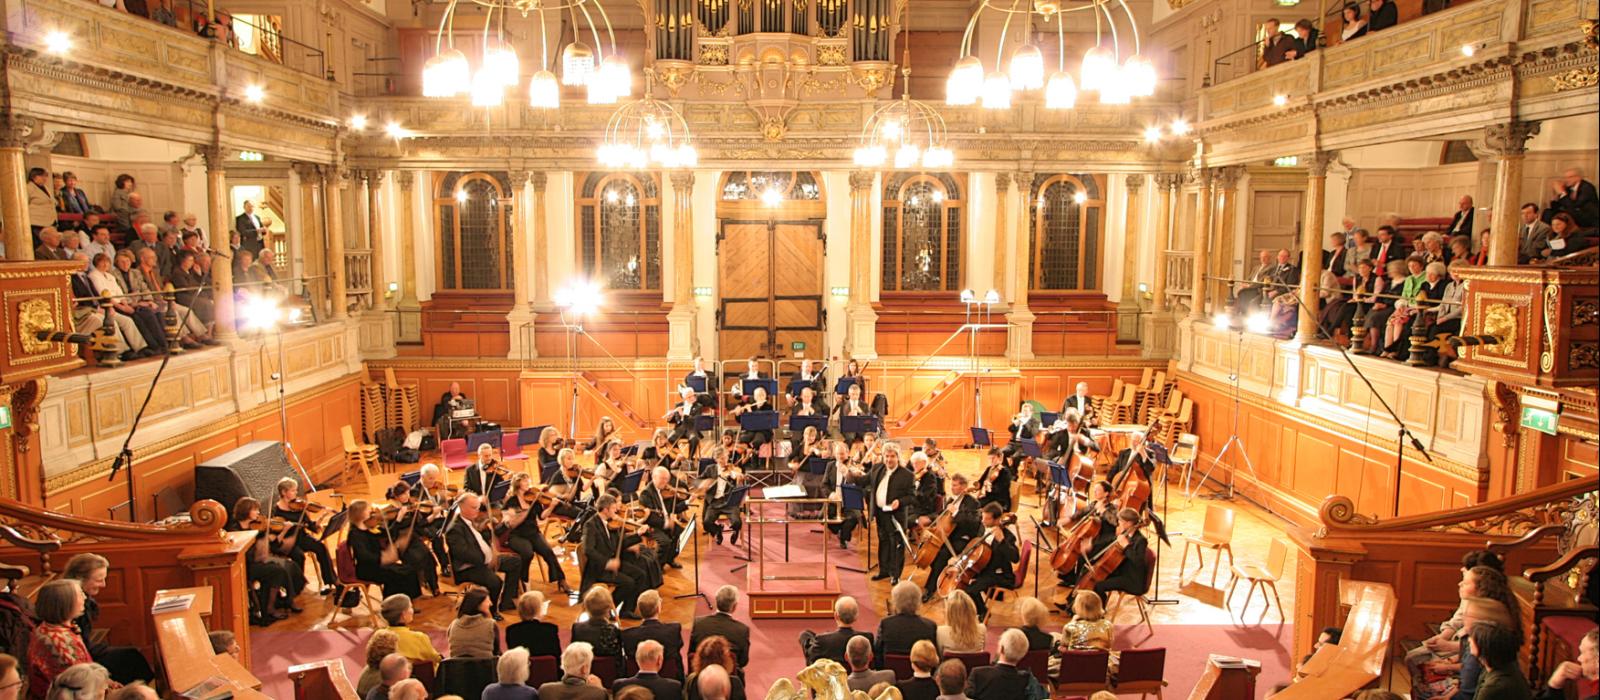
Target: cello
[935,535]
[962,570]
[1069,545]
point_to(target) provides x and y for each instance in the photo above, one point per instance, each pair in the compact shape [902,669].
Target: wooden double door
[770,276]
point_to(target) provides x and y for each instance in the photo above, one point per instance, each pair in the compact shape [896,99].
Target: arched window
[922,233]
[619,230]
[474,230]
[1068,221]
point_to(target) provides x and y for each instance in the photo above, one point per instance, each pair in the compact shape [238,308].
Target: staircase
[617,406]
[941,387]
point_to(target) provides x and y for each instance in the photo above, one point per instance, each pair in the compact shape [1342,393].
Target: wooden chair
[1037,663]
[1263,577]
[466,677]
[1142,671]
[1185,451]
[998,594]
[1115,599]
[605,668]
[543,669]
[344,566]
[425,671]
[900,664]
[1081,672]
[357,455]
[1217,536]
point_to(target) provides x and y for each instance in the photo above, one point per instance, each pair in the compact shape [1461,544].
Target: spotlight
[967,297]
[1080,197]
[991,297]
[358,122]
[1152,134]
[461,196]
[1221,321]
[1280,100]
[581,298]
[1180,126]
[254,94]
[1468,49]
[1258,322]
[57,42]
[259,313]
[395,131]
[772,197]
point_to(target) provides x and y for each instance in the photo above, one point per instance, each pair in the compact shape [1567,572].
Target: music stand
[799,424]
[860,425]
[485,437]
[851,497]
[1060,479]
[629,484]
[1030,448]
[1048,418]
[795,385]
[816,465]
[981,437]
[704,422]
[707,468]
[412,478]
[529,436]
[842,386]
[1158,454]
[685,540]
[696,382]
[757,421]
[334,524]
[497,493]
[547,472]
[748,386]
[735,499]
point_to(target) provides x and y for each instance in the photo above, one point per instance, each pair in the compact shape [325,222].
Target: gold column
[537,182]
[1508,143]
[333,186]
[380,286]
[1311,244]
[1164,184]
[681,340]
[1021,242]
[519,256]
[221,269]
[1225,218]
[863,320]
[1002,200]
[1128,305]
[14,202]
[1202,243]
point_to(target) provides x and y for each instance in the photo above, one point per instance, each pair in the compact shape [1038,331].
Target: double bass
[962,570]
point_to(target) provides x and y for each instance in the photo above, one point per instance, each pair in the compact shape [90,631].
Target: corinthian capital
[683,181]
[1509,139]
[861,180]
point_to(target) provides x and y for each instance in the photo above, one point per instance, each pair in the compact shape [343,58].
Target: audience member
[540,638]
[1566,238]
[1381,15]
[648,655]
[1004,680]
[962,632]
[99,243]
[10,677]
[597,626]
[410,689]
[576,683]
[1583,672]
[713,652]
[897,632]
[1461,219]
[398,612]
[1388,248]
[635,692]
[41,202]
[191,226]
[668,634]
[224,642]
[73,199]
[126,664]
[1306,38]
[1276,46]
[119,204]
[473,633]
[511,672]
[1377,694]
[858,660]
[921,685]
[1460,250]
[136,691]
[722,624]
[831,645]
[56,644]
[381,644]
[1495,647]
[952,680]
[1532,234]
[1575,197]
[714,684]
[85,681]
[393,669]
[1355,26]
[251,228]
[1035,615]
[1432,248]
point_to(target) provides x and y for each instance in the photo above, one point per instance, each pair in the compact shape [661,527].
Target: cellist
[1100,506]
[967,525]
[1132,576]
[1003,556]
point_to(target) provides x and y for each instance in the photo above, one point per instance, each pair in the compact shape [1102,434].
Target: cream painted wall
[981,275]
[836,252]
[705,257]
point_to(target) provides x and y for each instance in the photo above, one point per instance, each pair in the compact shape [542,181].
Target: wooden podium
[1227,678]
[787,590]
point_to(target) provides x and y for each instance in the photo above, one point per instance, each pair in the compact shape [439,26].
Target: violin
[301,505]
[272,526]
[964,569]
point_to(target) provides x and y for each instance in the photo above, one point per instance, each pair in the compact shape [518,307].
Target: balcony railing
[1180,273]
[358,277]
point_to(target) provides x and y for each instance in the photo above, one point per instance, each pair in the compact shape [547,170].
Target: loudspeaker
[252,470]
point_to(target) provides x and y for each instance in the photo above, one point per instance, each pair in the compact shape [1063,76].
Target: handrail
[1228,58]
[1339,517]
[205,518]
[181,290]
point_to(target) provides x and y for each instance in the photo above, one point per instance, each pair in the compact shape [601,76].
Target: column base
[863,335]
[1159,335]
[1019,334]
[1129,321]
[408,315]
[375,335]
[519,323]
[681,340]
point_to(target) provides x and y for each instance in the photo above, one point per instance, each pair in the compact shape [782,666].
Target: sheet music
[785,491]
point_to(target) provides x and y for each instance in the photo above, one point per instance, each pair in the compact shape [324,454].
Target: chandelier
[1103,71]
[645,133]
[905,133]
[605,75]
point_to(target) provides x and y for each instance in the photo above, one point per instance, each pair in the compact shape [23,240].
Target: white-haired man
[1004,680]
[721,623]
[575,683]
[409,689]
[649,657]
[393,669]
[831,645]
[511,674]
[664,504]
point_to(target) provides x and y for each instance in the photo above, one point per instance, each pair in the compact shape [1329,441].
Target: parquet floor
[1197,602]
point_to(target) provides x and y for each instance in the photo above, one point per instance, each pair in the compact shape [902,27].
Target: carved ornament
[1552,301]
[1575,79]
[831,55]
[1134,182]
[1510,139]
[861,181]
[1505,401]
[1500,320]
[682,181]
[774,129]
[406,179]
[25,411]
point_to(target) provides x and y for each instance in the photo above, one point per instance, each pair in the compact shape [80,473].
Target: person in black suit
[684,414]
[1305,39]
[806,376]
[1004,680]
[718,497]
[250,229]
[967,525]
[1135,454]
[664,505]
[952,679]
[1080,402]
[1003,557]
[667,635]
[474,559]
[1024,426]
[830,645]
[603,556]
[540,638]
[722,624]
[928,498]
[994,484]
[1461,220]
[376,558]
[921,685]
[648,655]
[1381,15]
[893,489]
[1069,443]
[1276,46]
[1132,576]
[899,631]
[1575,197]
[486,473]
[759,402]
[841,471]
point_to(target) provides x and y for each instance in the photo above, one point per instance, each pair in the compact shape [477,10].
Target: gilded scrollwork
[34,316]
[1552,300]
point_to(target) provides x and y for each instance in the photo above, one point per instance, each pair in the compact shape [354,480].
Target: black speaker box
[251,470]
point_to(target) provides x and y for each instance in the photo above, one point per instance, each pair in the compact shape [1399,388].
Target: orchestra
[305,523]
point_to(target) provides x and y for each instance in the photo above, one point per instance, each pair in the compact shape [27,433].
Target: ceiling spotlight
[254,93]
[1280,100]
[1152,134]
[395,131]
[57,42]
[1080,197]
[358,122]
[1468,49]
[1180,126]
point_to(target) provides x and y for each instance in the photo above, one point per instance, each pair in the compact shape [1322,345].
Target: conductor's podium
[185,647]
[788,589]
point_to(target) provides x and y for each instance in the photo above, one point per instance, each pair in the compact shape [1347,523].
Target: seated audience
[1458,673]
[1432,249]
[1575,197]
[952,680]
[511,672]
[576,682]
[1532,234]
[1381,15]
[473,634]
[85,681]
[713,684]
[962,632]
[392,670]
[1566,238]
[648,655]
[1004,680]
[668,634]
[56,645]
[224,642]
[10,678]
[1087,630]
[897,632]
[1306,38]
[858,660]
[409,689]
[414,645]
[713,652]
[921,685]
[1495,647]
[1035,615]
[137,691]
[831,645]
[540,638]
[597,626]
[722,624]
[1460,250]
[381,644]
[1585,672]
[126,664]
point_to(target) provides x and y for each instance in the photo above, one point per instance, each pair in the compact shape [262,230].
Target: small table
[185,648]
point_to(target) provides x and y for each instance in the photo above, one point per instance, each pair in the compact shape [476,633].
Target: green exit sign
[1533,418]
[797,346]
[5,417]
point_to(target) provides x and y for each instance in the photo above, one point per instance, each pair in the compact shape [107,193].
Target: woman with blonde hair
[597,626]
[1034,616]
[1087,630]
[961,632]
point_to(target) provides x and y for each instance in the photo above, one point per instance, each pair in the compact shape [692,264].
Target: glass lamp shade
[577,64]
[965,83]
[1060,92]
[1139,74]
[1027,68]
[600,93]
[501,61]
[1099,68]
[871,156]
[544,90]
[613,72]
[1115,90]
[907,155]
[487,89]
[996,91]
[938,157]
[446,74]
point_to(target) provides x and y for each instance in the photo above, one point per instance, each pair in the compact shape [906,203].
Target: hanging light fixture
[544,90]
[1140,75]
[446,74]
[965,83]
[614,73]
[997,91]
[577,64]
[1060,92]
[1027,68]
[645,133]
[1099,66]
[1024,69]
[449,73]
[910,131]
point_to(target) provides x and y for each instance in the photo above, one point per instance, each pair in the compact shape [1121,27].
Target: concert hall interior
[799,349]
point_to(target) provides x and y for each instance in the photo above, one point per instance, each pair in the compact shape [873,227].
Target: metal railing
[1247,59]
[274,46]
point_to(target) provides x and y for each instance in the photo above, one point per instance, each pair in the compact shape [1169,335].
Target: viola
[964,569]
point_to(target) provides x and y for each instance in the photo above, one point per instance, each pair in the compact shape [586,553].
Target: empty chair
[1217,536]
[357,456]
[510,448]
[1263,577]
[1183,455]
[605,668]
[1082,672]
[543,669]
[455,453]
[1142,671]
[344,566]
[970,659]
[900,664]
[466,677]
[1037,663]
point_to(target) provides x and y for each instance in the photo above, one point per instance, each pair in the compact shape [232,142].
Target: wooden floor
[1197,602]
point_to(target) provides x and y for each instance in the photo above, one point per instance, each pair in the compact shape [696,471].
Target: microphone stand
[125,455]
[695,537]
[1154,598]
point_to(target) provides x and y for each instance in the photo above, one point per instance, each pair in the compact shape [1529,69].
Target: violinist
[605,431]
[661,450]
[758,402]
[302,540]
[893,490]
[1138,454]
[739,454]
[810,444]
[274,581]
[603,548]
[432,488]
[377,557]
[610,467]
[930,447]
[1023,426]
[549,447]
[967,525]
[842,470]
[577,491]
[525,509]
[994,484]
[727,478]
[685,413]
[473,559]
[421,520]
[869,452]
[1132,576]
[852,371]
[667,508]
[929,491]
[1001,569]
[486,473]
[851,405]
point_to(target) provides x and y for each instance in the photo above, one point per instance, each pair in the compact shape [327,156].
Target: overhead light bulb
[1080,197]
[1468,49]
[394,130]
[358,122]
[1027,68]
[1060,92]
[500,61]
[996,91]
[1152,134]
[1280,100]
[1115,92]
[577,64]
[57,42]
[487,89]
[254,94]
[614,73]
[1221,321]
[544,90]
[601,93]
[892,130]
[1179,127]
[967,297]
[906,155]
[871,156]
[447,74]
[1139,75]
[965,83]
[772,197]
[1099,67]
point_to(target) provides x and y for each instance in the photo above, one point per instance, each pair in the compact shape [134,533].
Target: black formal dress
[1001,570]
[397,577]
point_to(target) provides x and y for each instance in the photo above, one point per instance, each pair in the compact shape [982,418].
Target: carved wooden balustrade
[144,559]
[1420,554]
